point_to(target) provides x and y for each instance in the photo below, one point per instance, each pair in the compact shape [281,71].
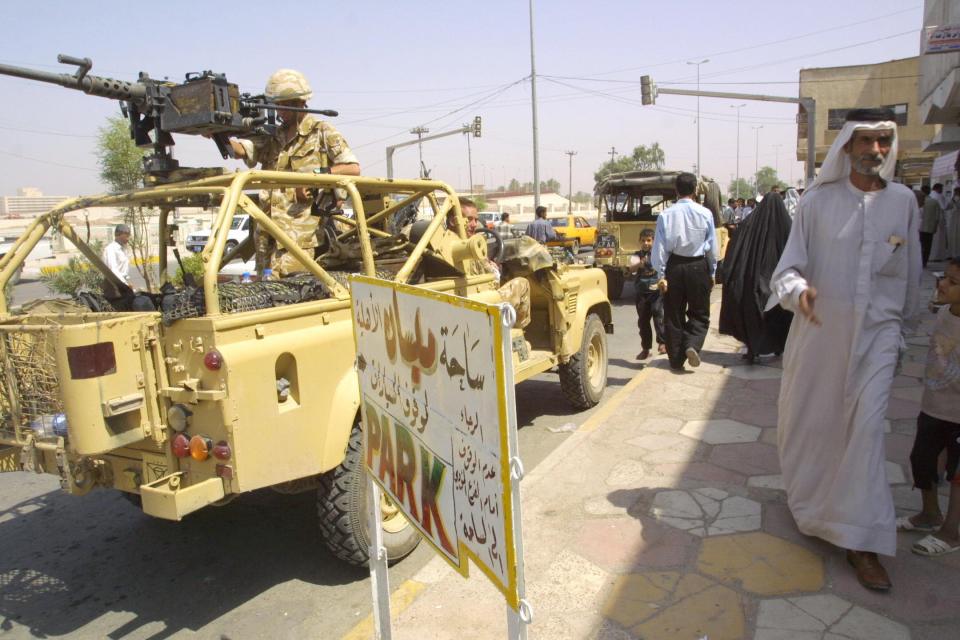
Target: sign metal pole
[517,621]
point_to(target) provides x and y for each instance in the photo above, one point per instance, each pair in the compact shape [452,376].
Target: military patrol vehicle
[630,202]
[187,397]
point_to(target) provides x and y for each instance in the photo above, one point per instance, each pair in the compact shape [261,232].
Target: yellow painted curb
[594,421]
[400,599]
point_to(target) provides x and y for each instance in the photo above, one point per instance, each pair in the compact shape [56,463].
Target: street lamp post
[704,61]
[756,158]
[419,131]
[738,107]
[570,184]
[776,159]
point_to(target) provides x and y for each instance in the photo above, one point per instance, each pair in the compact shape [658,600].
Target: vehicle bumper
[167,497]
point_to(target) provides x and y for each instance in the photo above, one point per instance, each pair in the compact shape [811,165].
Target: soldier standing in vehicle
[304,144]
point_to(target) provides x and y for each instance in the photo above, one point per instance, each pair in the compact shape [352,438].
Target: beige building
[892,84]
[939,90]
[28,202]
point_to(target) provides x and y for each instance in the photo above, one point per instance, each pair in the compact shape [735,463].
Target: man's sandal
[904,524]
[933,546]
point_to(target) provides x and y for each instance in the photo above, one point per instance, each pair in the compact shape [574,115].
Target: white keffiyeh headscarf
[836,166]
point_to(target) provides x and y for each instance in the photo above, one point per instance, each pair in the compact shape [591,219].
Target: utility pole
[756,158]
[533,96]
[704,61]
[613,154]
[776,159]
[738,107]
[570,185]
[419,131]
[467,128]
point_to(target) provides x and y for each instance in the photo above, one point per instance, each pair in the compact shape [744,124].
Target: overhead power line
[759,45]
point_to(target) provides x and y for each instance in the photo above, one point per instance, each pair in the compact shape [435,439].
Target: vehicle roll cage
[228,191]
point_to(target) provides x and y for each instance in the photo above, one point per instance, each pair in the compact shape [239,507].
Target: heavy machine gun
[204,104]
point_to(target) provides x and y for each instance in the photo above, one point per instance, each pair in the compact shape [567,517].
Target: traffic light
[476,127]
[648,93]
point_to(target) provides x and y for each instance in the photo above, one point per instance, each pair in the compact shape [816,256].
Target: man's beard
[860,166]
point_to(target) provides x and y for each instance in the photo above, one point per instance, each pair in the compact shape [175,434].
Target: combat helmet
[287,84]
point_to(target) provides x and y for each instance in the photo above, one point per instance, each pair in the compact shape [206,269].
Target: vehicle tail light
[221,451]
[213,360]
[178,417]
[200,448]
[180,446]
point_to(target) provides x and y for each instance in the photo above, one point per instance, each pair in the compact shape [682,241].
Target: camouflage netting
[28,372]
[236,297]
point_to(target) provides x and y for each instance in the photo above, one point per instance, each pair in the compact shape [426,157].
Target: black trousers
[933,436]
[649,309]
[686,306]
[926,243]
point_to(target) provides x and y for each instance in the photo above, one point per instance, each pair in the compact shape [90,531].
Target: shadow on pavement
[183,575]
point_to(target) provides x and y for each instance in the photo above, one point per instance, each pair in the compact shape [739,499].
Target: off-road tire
[615,282]
[342,506]
[584,377]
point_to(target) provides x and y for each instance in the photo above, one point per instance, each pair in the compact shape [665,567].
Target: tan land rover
[187,397]
[629,203]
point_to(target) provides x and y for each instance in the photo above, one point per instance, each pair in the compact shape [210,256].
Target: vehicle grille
[572,302]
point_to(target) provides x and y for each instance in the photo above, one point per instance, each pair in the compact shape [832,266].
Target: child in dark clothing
[647,297]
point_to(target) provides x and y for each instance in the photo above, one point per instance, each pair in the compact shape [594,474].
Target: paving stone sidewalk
[667,519]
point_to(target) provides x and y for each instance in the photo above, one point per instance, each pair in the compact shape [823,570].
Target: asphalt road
[97,567]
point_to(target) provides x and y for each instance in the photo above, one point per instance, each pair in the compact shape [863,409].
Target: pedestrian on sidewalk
[115,254]
[932,213]
[747,268]
[647,297]
[938,426]
[541,230]
[851,274]
[684,255]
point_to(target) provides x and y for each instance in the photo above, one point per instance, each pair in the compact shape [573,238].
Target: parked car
[489,219]
[239,230]
[577,232]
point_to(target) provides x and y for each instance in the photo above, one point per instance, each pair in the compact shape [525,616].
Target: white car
[4,248]
[239,230]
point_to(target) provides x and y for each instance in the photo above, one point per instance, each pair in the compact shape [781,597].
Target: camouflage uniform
[317,144]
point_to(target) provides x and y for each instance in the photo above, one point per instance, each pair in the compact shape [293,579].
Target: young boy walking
[647,297]
[938,426]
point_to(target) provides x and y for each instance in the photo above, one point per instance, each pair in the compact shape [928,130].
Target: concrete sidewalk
[663,517]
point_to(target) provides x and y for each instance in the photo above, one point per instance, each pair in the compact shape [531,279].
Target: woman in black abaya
[748,266]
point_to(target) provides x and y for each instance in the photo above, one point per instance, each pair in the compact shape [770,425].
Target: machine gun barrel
[93,85]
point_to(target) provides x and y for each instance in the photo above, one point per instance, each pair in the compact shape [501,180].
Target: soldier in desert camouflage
[304,144]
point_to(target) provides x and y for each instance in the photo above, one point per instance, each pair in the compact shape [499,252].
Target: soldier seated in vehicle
[515,291]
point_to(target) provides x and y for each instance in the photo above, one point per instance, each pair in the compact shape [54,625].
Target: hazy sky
[390,66]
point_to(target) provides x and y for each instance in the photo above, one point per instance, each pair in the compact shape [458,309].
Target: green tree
[121,168]
[514,185]
[740,188]
[643,158]
[766,179]
[582,197]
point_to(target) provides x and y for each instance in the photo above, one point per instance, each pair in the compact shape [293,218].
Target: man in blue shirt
[541,230]
[684,255]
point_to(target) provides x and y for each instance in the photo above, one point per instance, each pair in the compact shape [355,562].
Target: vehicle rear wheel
[614,284]
[584,377]
[342,505]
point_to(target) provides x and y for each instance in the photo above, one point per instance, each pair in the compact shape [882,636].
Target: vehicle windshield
[236,222]
[637,206]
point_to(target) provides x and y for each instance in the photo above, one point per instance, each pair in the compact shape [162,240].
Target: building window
[836,117]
